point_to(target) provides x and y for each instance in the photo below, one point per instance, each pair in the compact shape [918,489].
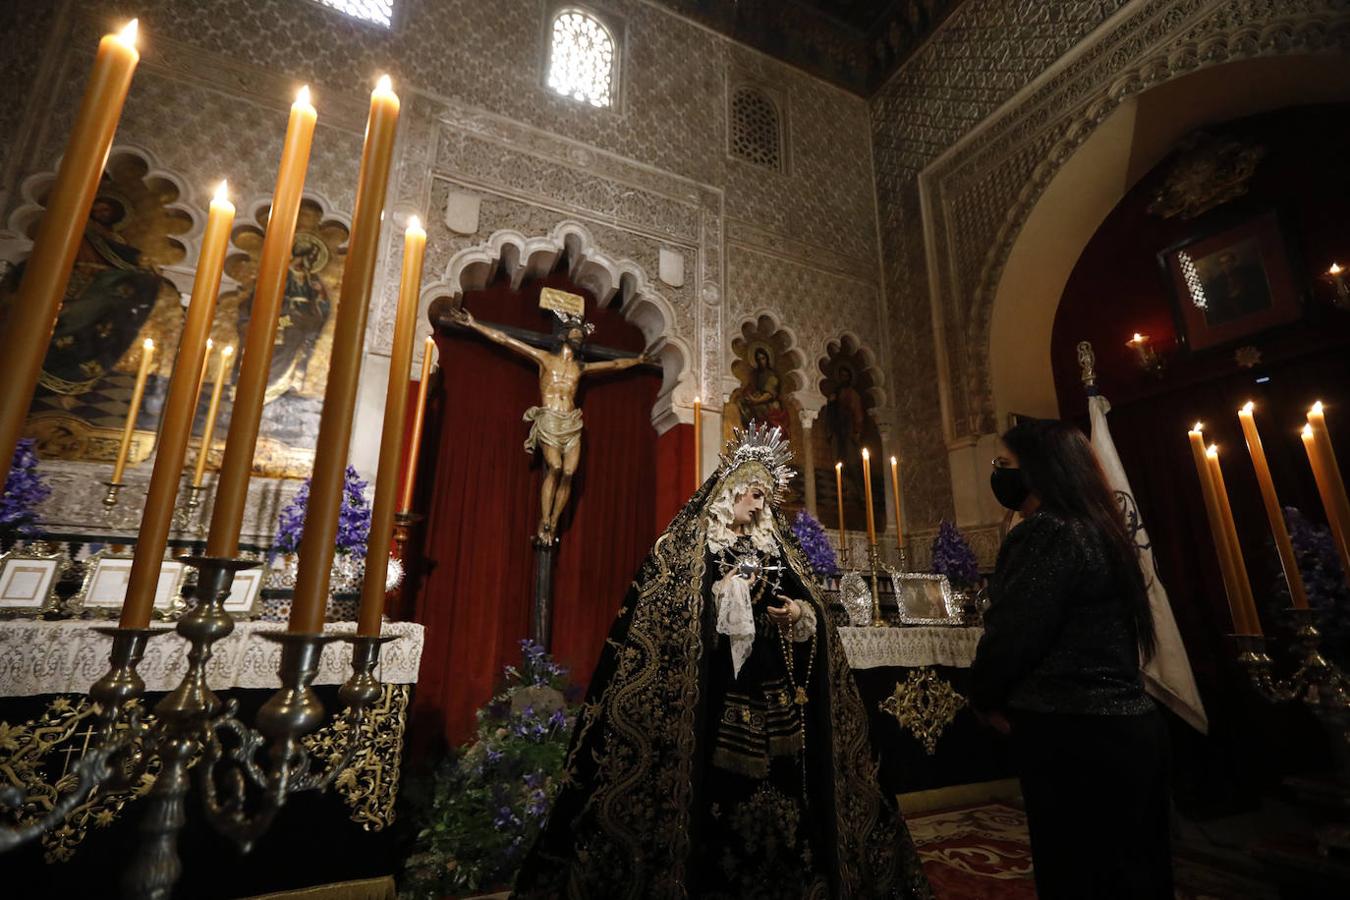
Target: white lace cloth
[910,647]
[66,657]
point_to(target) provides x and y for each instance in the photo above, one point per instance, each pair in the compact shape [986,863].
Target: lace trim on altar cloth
[911,647]
[66,657]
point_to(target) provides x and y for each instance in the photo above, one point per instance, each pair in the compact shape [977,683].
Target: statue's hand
[462,316]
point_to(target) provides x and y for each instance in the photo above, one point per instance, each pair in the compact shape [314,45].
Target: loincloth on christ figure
[559,430]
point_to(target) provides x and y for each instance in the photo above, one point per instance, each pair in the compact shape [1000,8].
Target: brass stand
[403,524]
[191,721]
[194,497]
[874,564]
[110,498]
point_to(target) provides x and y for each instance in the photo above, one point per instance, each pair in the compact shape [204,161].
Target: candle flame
[1248,407]
[209,344]
[1137,339]
[1212,451]
[1316,409]
[894,461]
[838,466]
[698,399]
[384,85]
[866,454]
[129,33]
[302,96]
[222,194]
[1335,269]
[227,350]
[1307,432]
[147,344]
[1198,426]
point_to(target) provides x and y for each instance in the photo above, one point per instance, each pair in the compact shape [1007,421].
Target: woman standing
[722,750]
[1058,670]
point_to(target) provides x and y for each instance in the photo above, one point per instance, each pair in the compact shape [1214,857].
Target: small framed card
[28,582]
[105,585]
[244,602]
[925,599]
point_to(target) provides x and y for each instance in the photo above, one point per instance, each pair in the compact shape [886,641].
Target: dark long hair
[1060,468]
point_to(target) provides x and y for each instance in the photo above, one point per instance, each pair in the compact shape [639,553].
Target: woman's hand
[787,614]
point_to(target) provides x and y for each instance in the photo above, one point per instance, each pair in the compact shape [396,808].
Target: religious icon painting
[1232,283]
[844,427]
[769,370]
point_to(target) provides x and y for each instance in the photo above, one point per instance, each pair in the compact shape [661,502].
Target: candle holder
[874,564]
[403,525]
[1336,275]
[194,497]
[110,498]
[269,763]
[1150,360]
[1317,683]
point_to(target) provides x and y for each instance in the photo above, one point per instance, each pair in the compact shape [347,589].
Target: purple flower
[25,490]
[815,544]
[353,518]
[953,557]
[558,719]
[494,756]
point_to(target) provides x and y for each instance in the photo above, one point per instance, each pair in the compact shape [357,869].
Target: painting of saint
[844,428]
[761,398]
[1234,282]
[305,309]
[768,370]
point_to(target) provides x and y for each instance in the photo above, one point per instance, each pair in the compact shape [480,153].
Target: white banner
[1167,676]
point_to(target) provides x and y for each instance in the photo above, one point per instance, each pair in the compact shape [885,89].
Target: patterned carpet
[982,852]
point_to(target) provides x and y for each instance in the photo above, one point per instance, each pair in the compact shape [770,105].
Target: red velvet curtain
[480,494]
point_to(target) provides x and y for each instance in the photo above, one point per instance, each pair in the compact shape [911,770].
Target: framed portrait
[923,599]
[105,585]
[1232,283]
[28,582]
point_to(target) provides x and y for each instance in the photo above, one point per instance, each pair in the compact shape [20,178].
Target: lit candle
[391,441]
[175,427]
[698,442]
[1274,512]
[1326,476]
[319,541]
[899,514]
[1338,276]
[34,309]
[415,439]
[1338,513]
[839,494]
[147,354]
[236,465]
[867,489]
[1244,585]
[209,430]
[201,378]
[1214,514]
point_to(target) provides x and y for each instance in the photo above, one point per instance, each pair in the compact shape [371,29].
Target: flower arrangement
[815,544]
[353,518]
[489,801]
[953,557]
[1320,567]
[25,489]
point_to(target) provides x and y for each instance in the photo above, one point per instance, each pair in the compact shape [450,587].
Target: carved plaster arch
[1009,161]
[16,243]
[878,395]
[615,282]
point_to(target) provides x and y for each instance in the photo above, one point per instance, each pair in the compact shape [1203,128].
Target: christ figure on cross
[555,425]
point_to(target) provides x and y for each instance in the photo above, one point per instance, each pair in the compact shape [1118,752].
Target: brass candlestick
[110,498]
[874,564]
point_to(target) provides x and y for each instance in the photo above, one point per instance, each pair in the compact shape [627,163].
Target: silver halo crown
[765,444]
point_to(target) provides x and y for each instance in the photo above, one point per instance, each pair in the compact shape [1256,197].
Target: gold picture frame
[28,580]
[104,587]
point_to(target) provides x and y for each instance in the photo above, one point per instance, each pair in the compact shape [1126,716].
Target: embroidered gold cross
[800,699]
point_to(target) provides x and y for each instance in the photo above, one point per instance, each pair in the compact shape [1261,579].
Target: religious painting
[845,426]
[1232,283]
[769,372]
[117,297]
[303,347]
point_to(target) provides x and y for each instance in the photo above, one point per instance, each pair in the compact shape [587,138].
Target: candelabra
[1318,684]
[194,727]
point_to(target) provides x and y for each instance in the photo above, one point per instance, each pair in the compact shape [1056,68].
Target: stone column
[808,461]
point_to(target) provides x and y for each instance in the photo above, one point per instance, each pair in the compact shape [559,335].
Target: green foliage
[490,799]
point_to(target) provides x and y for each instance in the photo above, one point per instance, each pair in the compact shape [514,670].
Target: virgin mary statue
[722,749]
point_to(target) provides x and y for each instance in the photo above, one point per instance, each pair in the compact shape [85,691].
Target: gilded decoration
[924,705]
[846,425]
[303,347]
[36,757]
[1206,172]
[117,297]
[770,372]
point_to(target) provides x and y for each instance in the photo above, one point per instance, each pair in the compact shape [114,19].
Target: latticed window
[381,12]
[756,129]
[581,58]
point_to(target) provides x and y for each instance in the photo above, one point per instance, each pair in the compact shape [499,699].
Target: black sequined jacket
[1059,636]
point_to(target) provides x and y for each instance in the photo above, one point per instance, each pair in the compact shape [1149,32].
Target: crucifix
[555,424]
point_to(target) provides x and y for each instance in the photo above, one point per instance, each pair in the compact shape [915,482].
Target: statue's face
[748,508]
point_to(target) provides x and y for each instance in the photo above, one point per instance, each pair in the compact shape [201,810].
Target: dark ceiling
[855,44]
